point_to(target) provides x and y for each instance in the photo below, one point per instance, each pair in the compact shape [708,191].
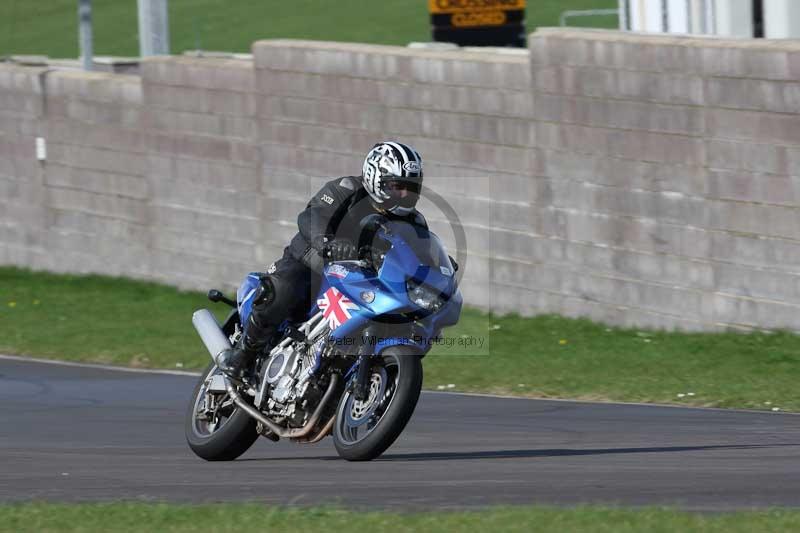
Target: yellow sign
[444,7]
[478,18]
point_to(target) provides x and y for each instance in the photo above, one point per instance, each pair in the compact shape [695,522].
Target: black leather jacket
[335,211]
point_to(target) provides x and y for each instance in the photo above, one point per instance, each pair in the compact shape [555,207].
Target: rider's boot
[237,362]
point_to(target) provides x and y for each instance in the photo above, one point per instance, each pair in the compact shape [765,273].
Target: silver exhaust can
[211,334]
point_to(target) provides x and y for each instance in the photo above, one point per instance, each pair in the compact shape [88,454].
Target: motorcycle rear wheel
[222,436]
[364,430]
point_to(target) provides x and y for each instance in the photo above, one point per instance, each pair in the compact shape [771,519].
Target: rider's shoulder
[336,191]
[347,182]
[419,219]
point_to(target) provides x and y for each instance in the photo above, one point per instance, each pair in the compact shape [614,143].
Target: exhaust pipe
[280,431]
[207,327]
[216,342]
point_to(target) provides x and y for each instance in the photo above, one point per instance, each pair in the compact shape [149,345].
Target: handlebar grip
[216,296]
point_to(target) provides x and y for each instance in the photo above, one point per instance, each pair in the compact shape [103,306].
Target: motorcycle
[353,369]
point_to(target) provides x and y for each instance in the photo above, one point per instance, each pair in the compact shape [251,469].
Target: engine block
[287,375]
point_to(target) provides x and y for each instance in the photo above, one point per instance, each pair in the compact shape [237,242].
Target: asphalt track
[88,434]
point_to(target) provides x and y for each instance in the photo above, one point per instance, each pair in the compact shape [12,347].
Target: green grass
[50,27]
[130,517]
[125,322]
[551,356]
[99,319]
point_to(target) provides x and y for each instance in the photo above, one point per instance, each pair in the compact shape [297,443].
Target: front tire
[364,430]
[220,434]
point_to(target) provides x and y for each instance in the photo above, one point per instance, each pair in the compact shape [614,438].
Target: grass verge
[130,517]
[51,27]
[132,323]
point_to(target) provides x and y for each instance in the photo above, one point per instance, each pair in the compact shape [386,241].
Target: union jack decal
[336,307]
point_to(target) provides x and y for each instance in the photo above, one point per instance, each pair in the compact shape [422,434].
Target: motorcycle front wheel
[217,430]
[363,430]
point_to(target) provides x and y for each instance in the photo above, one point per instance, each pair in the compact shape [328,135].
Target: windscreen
[425,245]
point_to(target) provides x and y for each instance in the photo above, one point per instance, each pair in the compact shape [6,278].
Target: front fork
[362,377]
[365,348]
[360,385]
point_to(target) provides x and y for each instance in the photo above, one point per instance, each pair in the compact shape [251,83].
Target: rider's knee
[273,300]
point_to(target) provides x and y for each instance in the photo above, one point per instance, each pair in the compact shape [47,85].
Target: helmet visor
[401,192]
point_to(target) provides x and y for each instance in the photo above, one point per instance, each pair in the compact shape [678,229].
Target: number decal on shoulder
[327,199]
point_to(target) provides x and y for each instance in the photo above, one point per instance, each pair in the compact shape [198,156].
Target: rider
[390,185]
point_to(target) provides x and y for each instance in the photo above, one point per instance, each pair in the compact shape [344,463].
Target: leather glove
[339,250]
[264,292]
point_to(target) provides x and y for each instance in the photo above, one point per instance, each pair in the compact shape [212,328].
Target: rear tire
[231,439]
[407,382]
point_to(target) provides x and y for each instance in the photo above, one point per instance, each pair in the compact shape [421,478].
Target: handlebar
[367,257]
[216,296]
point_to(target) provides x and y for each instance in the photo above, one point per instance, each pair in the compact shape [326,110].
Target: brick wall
[23,209]
[674,171]
[637,180]
[202,170]
[96,193]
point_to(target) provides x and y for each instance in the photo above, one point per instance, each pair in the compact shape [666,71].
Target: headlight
[426,297]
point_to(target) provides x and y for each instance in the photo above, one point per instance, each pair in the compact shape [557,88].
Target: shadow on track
[516,454]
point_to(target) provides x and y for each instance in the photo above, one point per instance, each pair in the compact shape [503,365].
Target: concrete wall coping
[98,76]
[402,51]
[23,69]
[695,41]
[54,72]
[204,61]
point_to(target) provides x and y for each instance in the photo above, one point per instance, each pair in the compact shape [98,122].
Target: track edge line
[98,366]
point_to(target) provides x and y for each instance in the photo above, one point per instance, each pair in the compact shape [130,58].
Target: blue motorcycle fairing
[413,253]
[245,295]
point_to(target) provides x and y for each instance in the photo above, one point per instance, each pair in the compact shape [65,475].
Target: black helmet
[392,176]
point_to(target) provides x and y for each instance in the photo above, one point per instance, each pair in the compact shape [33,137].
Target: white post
[709,20]
[646,16]
[781,19]
[153,27]
[733,18]
[623,15]
[678,16]
[85,32]
[696,14]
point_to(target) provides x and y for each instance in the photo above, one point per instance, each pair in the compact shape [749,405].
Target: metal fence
[573,13]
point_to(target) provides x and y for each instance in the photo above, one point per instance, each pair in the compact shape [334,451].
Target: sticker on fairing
[336,307]
[337,271]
